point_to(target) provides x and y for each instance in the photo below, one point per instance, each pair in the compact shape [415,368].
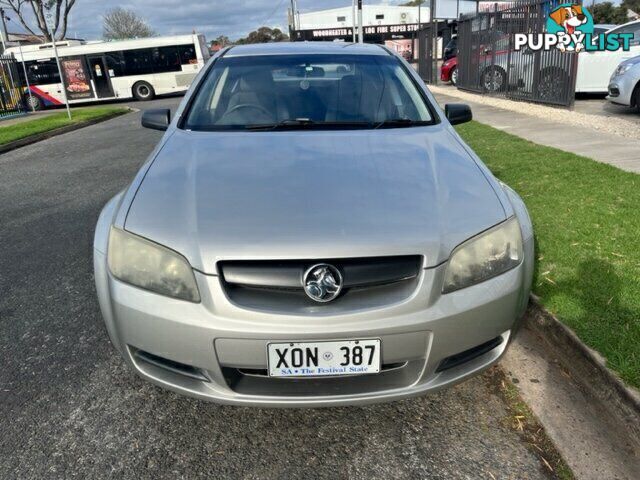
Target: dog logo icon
[570,22]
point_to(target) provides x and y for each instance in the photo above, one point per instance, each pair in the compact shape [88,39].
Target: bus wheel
[143,91]
[33,102]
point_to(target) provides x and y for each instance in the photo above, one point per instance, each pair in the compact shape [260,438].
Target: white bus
[96,71]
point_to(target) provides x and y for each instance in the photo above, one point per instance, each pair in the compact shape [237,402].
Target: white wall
[393,15]
[451,9]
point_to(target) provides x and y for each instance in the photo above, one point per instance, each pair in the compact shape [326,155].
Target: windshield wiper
[291,124]
[399,122]
[284,124]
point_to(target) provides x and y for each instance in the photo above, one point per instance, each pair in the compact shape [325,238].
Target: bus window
[166,59]
[187,54]
[43,72]
[138,62]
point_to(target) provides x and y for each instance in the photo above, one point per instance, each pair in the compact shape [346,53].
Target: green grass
[586,217]
[37,125]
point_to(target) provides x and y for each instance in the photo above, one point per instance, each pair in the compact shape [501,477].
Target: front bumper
[221,341]
[445,73]
[620,90]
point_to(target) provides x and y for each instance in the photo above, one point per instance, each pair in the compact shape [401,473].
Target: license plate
[317,359]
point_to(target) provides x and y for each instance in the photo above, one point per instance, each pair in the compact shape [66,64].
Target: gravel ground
[70,408]
[624,125]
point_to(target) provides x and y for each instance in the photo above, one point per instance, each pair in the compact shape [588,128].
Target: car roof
[292,48]
[632,22]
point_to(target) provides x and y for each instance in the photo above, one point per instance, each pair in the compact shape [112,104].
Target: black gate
[427,40]
[425,54]
[488,62]
[11,98]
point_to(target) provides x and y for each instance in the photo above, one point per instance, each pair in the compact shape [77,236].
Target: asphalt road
[70,409]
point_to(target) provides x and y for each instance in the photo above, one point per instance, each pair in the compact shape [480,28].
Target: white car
[595,68]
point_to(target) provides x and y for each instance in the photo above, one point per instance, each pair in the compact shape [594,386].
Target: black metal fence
[488,62]
[11,97]
[427,39]
[425,54]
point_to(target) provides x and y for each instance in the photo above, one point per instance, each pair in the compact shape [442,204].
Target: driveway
[597,105]
[70,409]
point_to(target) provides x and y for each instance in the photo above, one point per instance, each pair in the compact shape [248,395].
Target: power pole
[353,20]
[296,14]
[26,78]
[434,42]
[360,29]
[5,35]
[55,52]
[419,49]
[293,14]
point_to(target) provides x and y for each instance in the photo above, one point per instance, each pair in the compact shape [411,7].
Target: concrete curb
[7,147]
[588,369]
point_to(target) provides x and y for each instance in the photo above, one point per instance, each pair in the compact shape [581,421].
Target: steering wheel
[245,106]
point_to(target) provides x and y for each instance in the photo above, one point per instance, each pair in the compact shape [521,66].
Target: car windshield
[307,91]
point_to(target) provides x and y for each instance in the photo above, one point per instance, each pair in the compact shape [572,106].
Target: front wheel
[33,102]
[454,76]
[636,97]
[494,79]
[143,91]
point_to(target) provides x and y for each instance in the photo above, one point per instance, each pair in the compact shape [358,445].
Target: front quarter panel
[528,242]
[100,270]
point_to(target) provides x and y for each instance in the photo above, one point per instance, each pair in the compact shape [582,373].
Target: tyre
[494,79]
[552,82]
[635,99]
[143,91]
[33,102]
[454,76]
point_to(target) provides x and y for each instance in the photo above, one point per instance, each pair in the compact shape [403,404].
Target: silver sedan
[624,85]
[312,231]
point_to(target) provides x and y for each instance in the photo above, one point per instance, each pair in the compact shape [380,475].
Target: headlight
[622,68]
[148,265]
[489,254]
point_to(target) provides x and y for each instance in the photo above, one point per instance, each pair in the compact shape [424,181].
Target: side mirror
[156,119]
[458,113]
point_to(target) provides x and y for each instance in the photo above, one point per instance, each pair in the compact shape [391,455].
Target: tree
[264,35]
[33,15]
[607,12]
[221,41]
[120,24]
[412,3]
[631,5]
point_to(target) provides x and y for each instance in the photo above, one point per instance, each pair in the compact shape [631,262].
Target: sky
[234,18]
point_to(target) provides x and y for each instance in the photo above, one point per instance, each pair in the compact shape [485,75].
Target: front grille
[277,284]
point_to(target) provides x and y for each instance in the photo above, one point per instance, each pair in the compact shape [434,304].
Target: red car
[449,71]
